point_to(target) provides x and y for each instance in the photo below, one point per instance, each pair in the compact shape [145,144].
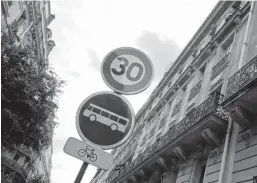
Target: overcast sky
[85,31]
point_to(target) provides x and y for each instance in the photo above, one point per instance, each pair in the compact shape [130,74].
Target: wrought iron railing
[209,106]
[14,166]
[242,78]
[220,66]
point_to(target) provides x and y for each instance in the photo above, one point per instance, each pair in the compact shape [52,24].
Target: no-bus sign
[105,120]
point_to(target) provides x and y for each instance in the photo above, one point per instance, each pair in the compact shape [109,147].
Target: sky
[85,31]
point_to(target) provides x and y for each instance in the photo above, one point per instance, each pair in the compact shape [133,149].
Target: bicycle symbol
[89,152]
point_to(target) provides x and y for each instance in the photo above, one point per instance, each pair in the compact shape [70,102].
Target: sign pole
[81,172]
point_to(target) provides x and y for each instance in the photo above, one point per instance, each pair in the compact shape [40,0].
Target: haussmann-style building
[199,125]
[27,22]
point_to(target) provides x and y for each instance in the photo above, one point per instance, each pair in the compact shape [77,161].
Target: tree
[29,98]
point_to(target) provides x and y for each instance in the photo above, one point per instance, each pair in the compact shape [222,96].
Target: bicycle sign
[88,153]
[127,70]
[105,120]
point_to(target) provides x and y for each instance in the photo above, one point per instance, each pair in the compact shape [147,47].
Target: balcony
[14,166]
[208,115]
[219,67]
[241,96]
[241,85]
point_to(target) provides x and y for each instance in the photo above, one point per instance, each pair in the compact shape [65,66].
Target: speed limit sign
[127,70]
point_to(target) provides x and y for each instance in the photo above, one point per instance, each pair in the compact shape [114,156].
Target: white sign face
[127,70]
[88,153]
[105,120]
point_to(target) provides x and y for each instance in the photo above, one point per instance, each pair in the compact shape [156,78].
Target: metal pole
[81,172]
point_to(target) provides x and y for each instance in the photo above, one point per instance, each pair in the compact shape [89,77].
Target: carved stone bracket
[134,178]
[215,154]
[246,136]
[182,166]
[210,137]
[201,152]
[164,164]
[145,174]
[242,117]
[180,153]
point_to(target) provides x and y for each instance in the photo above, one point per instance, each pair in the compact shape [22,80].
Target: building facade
[199,125]
[27,22]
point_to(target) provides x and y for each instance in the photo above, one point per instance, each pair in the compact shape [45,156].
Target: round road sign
[127,70]
[105,119]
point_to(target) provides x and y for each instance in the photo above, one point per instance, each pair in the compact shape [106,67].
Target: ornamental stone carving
[211,138]
[242,117]
[180,153]
[246,136]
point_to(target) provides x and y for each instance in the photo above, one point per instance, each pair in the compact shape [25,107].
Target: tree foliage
[29,98]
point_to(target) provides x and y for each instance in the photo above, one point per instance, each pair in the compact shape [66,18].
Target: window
[227,49]
[122,121]
[22,17]
[172,123]
[152,131]
[9,3]
[202,174]
[114,118]
[162,123]
[90,108]
[143,140]
[105,114]
[16,157]
[201,72]
[98,111]
[217,93]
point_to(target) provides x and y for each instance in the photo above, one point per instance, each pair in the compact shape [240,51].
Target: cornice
[212,18]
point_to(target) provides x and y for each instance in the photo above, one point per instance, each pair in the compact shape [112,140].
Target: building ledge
[187,132]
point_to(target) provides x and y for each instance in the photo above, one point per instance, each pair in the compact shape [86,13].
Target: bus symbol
[101,115]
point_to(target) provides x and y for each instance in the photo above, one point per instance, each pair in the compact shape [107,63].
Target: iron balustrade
[242,78]
[14,166]
[210,106]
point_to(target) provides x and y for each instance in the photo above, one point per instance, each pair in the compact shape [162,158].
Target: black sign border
[113,145]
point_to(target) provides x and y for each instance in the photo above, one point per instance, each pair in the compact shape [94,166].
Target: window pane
[16,157]
[105,114]
[114,118]
[89,108]
[98,111]
[122,121]
[9,3]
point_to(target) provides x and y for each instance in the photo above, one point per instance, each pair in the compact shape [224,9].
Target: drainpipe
[246,36]
[229,129]
[225,152]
